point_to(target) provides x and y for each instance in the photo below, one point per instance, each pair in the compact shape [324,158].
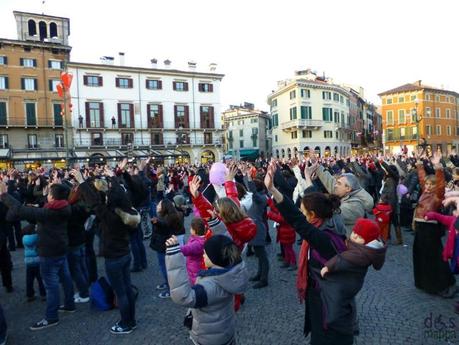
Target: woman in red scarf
[323,235]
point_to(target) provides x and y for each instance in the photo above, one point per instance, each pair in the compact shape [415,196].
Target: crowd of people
[343,212]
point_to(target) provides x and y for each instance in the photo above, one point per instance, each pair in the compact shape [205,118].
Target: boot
[398,234]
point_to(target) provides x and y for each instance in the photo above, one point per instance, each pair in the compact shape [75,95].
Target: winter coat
[431,201]
[75,226]
[51,225]
[285,233]
[193,250]
[382,213]
[256,213]
[211,299]
[30,249]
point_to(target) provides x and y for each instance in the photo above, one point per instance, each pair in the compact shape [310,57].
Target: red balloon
[66,79]
[60,90]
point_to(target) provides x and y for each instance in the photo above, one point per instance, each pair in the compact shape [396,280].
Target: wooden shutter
[85,80]
[119,115]
[50,84]
[201,87]
[176,117]
[131,114]
[6,83]
[22,84]
[211,87]
[201,115]
[146,84]
[100,81]
[5,60]
[88,117]
[174,86]
[49,63]
[117,82]
[185,86]
[160,111]
[149,120]
[34,62]
[35,84]
[130,83]
[101,115]
[160,85]
[21,61]
[211,117]
[187,117]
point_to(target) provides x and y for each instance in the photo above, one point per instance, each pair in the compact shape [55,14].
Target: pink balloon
[402,189]
[218,173]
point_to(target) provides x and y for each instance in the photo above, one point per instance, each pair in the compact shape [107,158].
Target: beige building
[31,125]
[310,113]
[247,132]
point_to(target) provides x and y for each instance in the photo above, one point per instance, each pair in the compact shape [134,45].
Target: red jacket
[242,231]
[382,213]
[285,233]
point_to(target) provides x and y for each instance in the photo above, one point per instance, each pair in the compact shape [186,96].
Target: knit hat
[214,247]
[367,229]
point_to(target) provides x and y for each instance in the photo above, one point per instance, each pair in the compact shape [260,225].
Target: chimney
[212,67]
[154,63]
[419,82]
[167,63]
[121,56]
[192,65]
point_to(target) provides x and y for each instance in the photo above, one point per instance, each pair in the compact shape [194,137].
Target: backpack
[101,295]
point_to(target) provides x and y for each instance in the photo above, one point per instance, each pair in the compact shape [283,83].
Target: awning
[4,153]
[44,155]
[248,152]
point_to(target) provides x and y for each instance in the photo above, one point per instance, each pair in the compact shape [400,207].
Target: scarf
[56,204]
[302,277]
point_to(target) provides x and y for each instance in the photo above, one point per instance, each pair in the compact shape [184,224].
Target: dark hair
[170,214]
[118,198]
[197,224]
[259,185]
[324,206]
[241,190]
[59,191]
[384,199]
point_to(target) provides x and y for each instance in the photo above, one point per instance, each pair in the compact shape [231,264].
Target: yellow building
[413,109]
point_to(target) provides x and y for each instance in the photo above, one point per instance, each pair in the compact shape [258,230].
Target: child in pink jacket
[193,250]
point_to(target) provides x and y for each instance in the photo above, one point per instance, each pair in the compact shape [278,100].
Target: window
[429,129]
[92,80]
[402,133]
[3,83]
[29,84]
[401,99]
[127,138]
[401,116]
[275,120]
[255,120]
[327,114]
[28,62]
[336,115]
[437,113]
[180,111]
[97,139]
[307,133]
[437,98]
[52,84]
[292,94]
[274,103]
[55,64]
[326,95]
[293,113]
[428,112]
[341,99]
[94,114]
[448,130]
[413,97]
[3,60]
[241,144]
[328,134]
[157,138]
[57,114]
[124,83]
[31,118]
[241,133]
[125,115]
[275,137]
[205,87]
[207,117]
[3,114]
[427,97]
[336,97]
[390,117]
[151,84]
[448,113]
[32,141]
[154,112]
[4,141]
[306,112]
[390,134]
[389,100]
[180,86]
[294,135]
[305,93]
[59,140]
[438,130]
[415,133]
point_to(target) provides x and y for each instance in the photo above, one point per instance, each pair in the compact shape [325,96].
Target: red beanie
[367,229]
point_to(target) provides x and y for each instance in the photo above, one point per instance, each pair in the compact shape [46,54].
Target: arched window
[32,27]
[317,150]
[277,154]
[289,153]
[306,150]
[283,153]
[52,30]
[295,152]
[43,29]
[336,150]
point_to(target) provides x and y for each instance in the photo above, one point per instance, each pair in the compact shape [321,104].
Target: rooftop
[416,86]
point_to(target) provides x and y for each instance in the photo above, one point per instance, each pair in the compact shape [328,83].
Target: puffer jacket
[285,232]
[211,299]
[256,213]
[30,249]
[193,251]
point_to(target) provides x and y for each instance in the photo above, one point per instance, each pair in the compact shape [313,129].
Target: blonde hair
[431,178]
[232,254]
[229,211]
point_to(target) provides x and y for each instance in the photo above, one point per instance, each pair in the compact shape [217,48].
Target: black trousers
[90,255]
[6,265]
[263,263]
[32,273]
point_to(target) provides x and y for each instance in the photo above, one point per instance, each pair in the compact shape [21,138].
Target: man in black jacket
[52,247]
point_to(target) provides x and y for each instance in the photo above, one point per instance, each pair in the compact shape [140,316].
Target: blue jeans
[138,249]
[119,275]
[162,266]
[78,270]
[52,271]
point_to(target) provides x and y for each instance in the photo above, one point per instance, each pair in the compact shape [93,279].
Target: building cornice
[156,71]
[310,85]
[35,44]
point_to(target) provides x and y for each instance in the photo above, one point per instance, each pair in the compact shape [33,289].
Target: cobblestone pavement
[391,310]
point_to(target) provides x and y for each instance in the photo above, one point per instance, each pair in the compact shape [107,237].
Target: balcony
[20,122]
[109,142]
[294,125]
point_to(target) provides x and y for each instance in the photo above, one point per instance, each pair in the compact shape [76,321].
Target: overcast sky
[377,44]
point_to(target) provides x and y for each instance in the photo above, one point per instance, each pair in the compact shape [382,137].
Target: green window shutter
[6,83]
[294,113]
[35,84]
[324,114]
[3,116]
[31,118]
[22,84]
[57,114]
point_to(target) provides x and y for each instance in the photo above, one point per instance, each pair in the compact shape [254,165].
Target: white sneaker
[81,299]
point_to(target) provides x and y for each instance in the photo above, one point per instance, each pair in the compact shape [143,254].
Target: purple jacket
[193,250]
